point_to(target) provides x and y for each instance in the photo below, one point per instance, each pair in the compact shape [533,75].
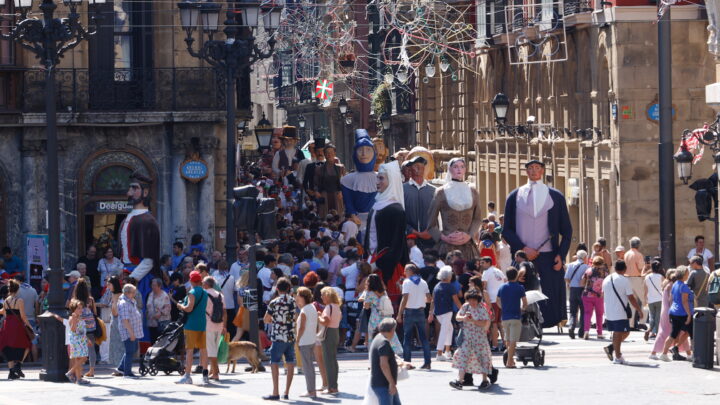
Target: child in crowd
[511,298]
[76,340]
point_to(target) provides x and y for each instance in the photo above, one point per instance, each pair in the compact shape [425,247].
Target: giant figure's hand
[532,254]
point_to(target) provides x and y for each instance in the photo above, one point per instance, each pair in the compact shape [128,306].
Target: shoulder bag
[628,311]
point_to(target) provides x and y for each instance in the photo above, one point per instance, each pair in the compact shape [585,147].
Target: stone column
[206,200]
[178,192]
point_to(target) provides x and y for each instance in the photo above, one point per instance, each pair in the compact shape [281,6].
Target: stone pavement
[575,371]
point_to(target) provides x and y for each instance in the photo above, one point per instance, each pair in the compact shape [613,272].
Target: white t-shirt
[351,274]
[707,254]
[494,279]
[614,308]
[236,270]
[228,290]
[68,331]
[417,293]
[416,257]
[311,321]
[264,276]
[349,229]
[653,282]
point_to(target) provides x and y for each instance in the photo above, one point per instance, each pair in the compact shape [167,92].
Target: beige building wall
[615,164]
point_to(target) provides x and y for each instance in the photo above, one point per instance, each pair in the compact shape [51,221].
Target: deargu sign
[113,206]
[194,170]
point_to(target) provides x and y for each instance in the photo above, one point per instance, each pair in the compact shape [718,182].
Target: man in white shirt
[226,282]
[416,256]
[618,292]
[265,276]
[349,228]
[241,265]
[493,278]
[350,275]
[700,250]
[415,294]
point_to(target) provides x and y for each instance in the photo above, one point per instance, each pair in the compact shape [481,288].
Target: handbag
[100,332]
[628,311]
[238,320]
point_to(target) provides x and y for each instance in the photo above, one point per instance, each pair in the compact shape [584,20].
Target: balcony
[159,89]
[291,95]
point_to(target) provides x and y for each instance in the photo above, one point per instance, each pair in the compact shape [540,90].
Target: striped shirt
[127,309]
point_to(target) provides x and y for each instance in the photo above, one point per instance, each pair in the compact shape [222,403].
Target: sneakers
[664,357]
[601,337]
[586,336]
[609,351]
[494,375]
[646,336]
[425,367]
[206,379]
[70,376]
[186,379]
[571,332]
[653,357]
[441,357]
[678,357]
[619,360]
[485,385]
[457,384]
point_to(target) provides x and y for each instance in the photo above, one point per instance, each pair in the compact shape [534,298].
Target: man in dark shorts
[618,295]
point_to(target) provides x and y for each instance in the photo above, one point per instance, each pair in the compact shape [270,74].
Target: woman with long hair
[664,327]
[14,342]
[116,349]
[373,298]
[681,310]
[319,308]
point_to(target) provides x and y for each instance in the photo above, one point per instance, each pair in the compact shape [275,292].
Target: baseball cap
[74,273]
[620,248]
[195,276]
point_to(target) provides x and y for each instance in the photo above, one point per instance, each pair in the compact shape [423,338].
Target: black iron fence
[157,89]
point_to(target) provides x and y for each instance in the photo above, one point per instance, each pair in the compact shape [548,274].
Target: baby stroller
[531,328]
[163,355]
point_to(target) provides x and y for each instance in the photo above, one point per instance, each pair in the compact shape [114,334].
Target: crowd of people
[378,259]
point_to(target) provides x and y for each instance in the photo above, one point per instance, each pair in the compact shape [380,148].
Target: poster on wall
[37,259]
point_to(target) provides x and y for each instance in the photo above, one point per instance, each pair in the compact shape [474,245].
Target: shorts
[194,339]
[512,329]
[212,342]
[623,325]
[496,313]
[678,325]
[280,349]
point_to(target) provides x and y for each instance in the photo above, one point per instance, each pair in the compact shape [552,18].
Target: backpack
[714,288]
[218,311]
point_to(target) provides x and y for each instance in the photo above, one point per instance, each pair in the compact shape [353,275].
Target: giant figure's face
[136,194]
[457,170]
[365,154]
[275,143]
[330,155]
[535,172]
[289,143]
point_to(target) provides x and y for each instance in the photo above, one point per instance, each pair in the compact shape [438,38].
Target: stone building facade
[130,98]
[594,121]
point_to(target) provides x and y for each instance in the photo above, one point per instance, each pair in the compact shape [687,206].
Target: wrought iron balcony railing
[157,89]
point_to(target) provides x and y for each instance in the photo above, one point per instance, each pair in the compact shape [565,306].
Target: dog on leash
[248,350]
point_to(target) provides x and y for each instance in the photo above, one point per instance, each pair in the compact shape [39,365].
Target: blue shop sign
[194,170]
[653,112]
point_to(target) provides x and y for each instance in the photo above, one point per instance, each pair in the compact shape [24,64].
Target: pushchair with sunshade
[531,328]
[166,352]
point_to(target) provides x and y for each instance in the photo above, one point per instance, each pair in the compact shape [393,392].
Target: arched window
[112,180]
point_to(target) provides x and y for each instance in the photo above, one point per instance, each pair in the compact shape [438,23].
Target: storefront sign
[36,251]
[194,170]
[112,207]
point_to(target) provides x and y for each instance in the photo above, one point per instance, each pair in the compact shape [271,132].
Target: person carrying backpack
[215,321]
[714,289]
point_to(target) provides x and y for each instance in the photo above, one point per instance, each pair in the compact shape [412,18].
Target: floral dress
[376,317]
[474,355]
[78,341]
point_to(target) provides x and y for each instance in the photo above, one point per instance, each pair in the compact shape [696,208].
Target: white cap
[620,248]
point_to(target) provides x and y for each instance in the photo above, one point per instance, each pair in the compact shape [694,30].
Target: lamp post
[301,123]
[49,38]
[231,58]
[263,132]
[501,104]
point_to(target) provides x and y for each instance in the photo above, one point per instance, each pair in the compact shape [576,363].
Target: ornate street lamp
[500,105]
[684,161]
[263,132]
[49,38]
[343,105]
[348,118]
[386,121]
[301,121]
[231,58]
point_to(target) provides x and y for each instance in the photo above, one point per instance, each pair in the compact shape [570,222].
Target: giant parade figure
[537,222]
[360,187]
[140,237]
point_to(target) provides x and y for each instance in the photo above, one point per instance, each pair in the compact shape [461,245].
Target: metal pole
[230,233]
[667,182]
[716,251]
[255,295]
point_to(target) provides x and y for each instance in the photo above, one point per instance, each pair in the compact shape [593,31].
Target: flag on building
[323,89]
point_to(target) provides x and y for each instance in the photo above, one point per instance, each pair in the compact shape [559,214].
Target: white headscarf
[394,192]
[457,193]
